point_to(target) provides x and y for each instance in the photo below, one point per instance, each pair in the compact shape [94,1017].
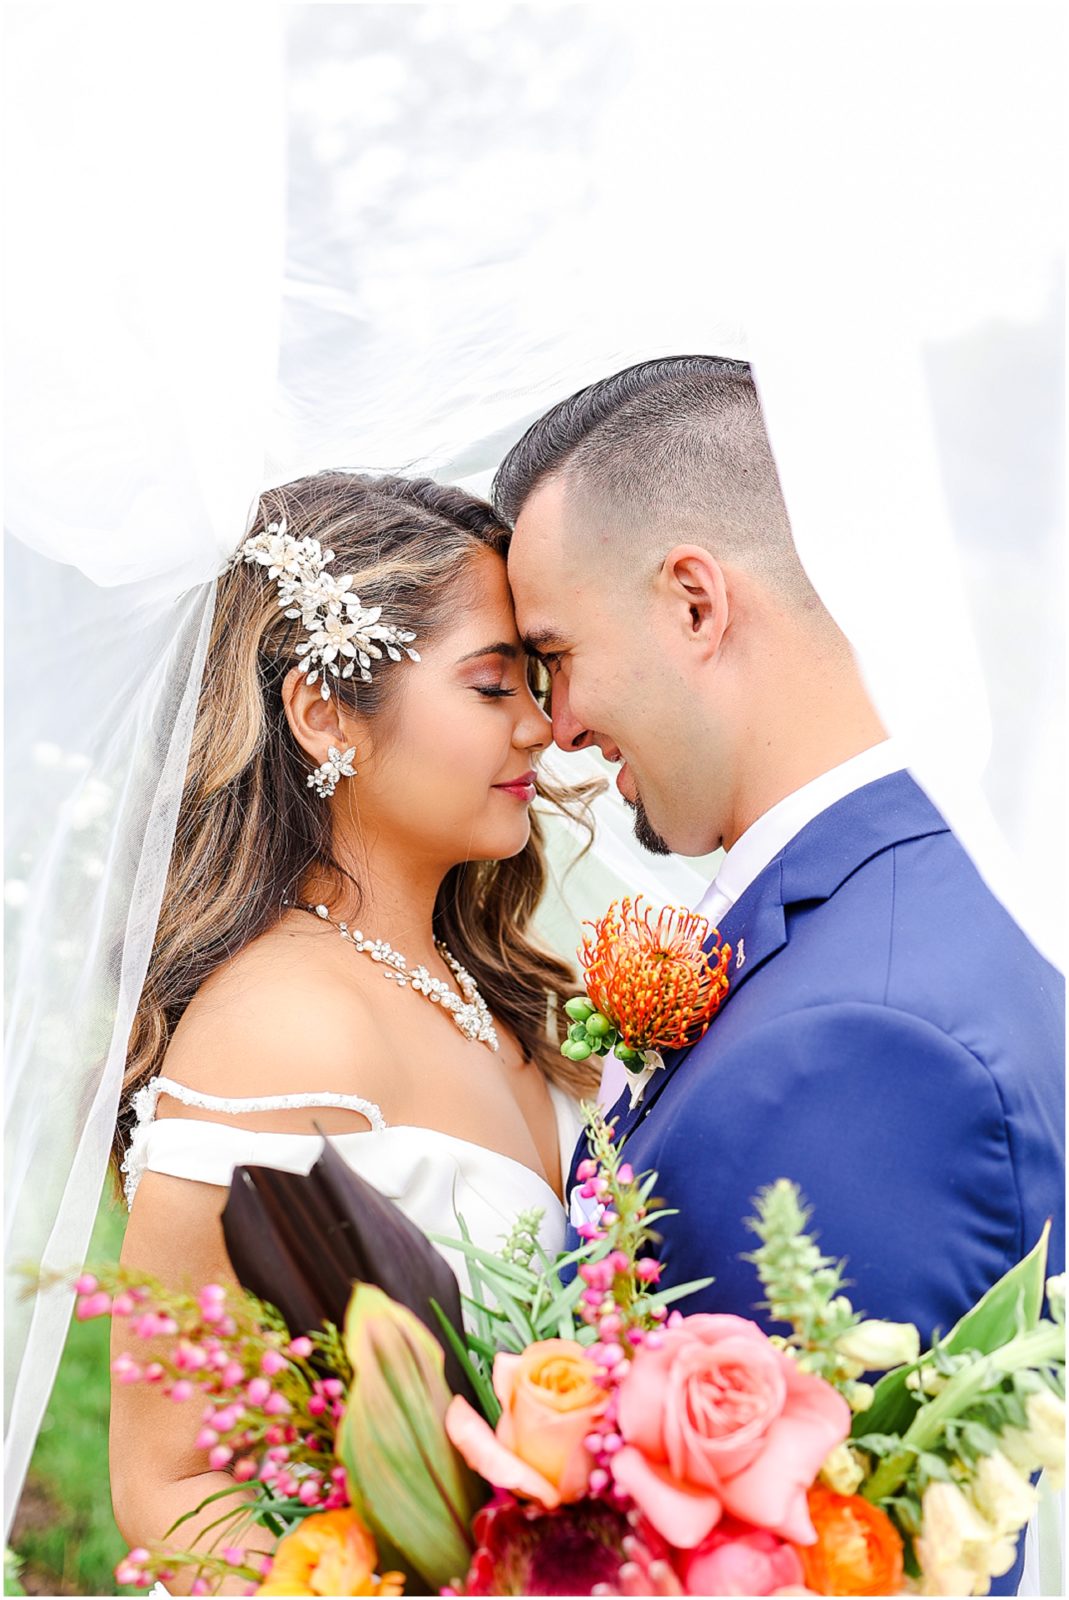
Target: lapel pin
[740,959]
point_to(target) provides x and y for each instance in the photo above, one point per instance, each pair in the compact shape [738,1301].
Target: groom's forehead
[534,565]
[536,547]
[550,586]
[540,520]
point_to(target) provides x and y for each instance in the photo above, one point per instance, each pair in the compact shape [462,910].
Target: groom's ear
[693,583]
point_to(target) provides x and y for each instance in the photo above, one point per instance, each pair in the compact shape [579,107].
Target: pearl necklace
[471,1015]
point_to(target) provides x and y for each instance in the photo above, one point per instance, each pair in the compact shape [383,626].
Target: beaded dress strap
[144,1101]
[144,1107]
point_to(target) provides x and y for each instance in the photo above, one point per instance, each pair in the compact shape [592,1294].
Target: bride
[343,937]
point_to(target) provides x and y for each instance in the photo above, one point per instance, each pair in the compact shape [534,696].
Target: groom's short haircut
[677,443]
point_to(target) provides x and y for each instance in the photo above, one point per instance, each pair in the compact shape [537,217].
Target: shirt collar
[765,838]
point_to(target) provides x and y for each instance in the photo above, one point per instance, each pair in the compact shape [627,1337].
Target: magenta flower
[524,1549]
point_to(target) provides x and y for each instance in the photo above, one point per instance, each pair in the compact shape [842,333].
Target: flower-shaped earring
[324,780]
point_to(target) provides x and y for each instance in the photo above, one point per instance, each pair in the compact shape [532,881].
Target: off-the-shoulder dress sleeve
[208,1152]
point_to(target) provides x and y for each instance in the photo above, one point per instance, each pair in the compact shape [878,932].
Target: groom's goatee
[645,832]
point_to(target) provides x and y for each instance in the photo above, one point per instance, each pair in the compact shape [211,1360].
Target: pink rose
[735,1559]
[717,1419]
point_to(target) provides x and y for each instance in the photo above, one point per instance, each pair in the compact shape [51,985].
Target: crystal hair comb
[344,636]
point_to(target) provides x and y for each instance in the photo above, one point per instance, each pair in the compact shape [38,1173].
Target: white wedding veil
[247,243]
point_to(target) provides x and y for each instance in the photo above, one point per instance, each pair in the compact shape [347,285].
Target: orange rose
[332,1553]
[858,1550]
[549,1403]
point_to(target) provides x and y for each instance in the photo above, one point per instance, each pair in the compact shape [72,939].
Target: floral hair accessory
[344,636]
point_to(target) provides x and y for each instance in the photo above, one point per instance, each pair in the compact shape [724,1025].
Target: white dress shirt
[765,838]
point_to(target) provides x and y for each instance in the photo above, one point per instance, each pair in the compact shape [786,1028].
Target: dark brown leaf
[302,1241]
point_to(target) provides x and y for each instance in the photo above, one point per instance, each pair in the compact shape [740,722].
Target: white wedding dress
[435,1178]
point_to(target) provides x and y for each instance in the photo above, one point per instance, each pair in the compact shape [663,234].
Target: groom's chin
[645,832]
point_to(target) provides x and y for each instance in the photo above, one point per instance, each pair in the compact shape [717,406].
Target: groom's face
[612,687]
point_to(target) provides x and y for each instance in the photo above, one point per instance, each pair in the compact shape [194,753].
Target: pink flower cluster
[137,1568]
[250,1428]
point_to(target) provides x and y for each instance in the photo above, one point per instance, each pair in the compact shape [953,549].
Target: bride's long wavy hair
[249,827]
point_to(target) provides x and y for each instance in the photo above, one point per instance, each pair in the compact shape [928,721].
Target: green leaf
[893,1406]
[293,1510]
[519,1277]
[878,1444]
[1014,1304]
[222,1523]
[483,1315]
[975,1440]
[483,1388]
[235,1488]
[487,1348]
[663,1211]
[932,1466]
[417,1494]
[564,1301]
[664,1297]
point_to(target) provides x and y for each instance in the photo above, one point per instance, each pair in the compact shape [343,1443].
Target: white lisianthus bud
[844,1470]
[1046,1433]
[1002,1495]
[859,1396]
[1016,1446]
[1056,1297]
[926,1381]
[956,1545]
[878,1346]
[994,1559]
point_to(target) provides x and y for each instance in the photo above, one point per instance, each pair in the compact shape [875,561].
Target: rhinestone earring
[324,780]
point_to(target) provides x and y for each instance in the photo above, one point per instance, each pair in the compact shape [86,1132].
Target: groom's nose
[568,732]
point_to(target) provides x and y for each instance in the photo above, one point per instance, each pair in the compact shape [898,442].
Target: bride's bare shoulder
[282,1011]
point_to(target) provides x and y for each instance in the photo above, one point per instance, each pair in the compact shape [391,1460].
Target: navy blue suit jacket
[893,1043]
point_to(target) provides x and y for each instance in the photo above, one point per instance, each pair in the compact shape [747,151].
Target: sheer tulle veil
[385,237]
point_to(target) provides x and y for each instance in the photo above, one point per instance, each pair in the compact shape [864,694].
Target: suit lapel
[810,868]
[755,928]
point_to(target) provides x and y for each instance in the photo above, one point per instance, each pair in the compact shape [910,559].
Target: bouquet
[565,1430]
[610,1445]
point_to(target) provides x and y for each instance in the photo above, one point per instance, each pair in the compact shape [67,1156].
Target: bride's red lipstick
[523,787]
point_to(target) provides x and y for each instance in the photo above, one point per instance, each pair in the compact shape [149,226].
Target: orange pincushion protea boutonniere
[651,986]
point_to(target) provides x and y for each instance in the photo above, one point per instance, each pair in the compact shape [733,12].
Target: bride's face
[449,775]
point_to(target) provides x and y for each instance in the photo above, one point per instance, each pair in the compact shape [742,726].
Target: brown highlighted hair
[249,828]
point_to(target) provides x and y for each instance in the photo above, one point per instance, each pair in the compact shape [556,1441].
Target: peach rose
[549,1403]
[715,1419]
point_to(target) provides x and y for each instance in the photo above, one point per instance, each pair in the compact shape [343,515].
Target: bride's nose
[533,730]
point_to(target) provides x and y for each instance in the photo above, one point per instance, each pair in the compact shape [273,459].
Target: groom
[890,1039]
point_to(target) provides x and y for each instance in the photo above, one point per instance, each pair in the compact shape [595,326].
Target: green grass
[68,1540]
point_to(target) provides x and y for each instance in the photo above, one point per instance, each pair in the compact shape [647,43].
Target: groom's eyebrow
[535,643]
[503,648]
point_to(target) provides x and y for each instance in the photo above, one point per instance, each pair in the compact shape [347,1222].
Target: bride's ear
[315,723]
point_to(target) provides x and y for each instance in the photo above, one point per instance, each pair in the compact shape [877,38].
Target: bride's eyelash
[495,694]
